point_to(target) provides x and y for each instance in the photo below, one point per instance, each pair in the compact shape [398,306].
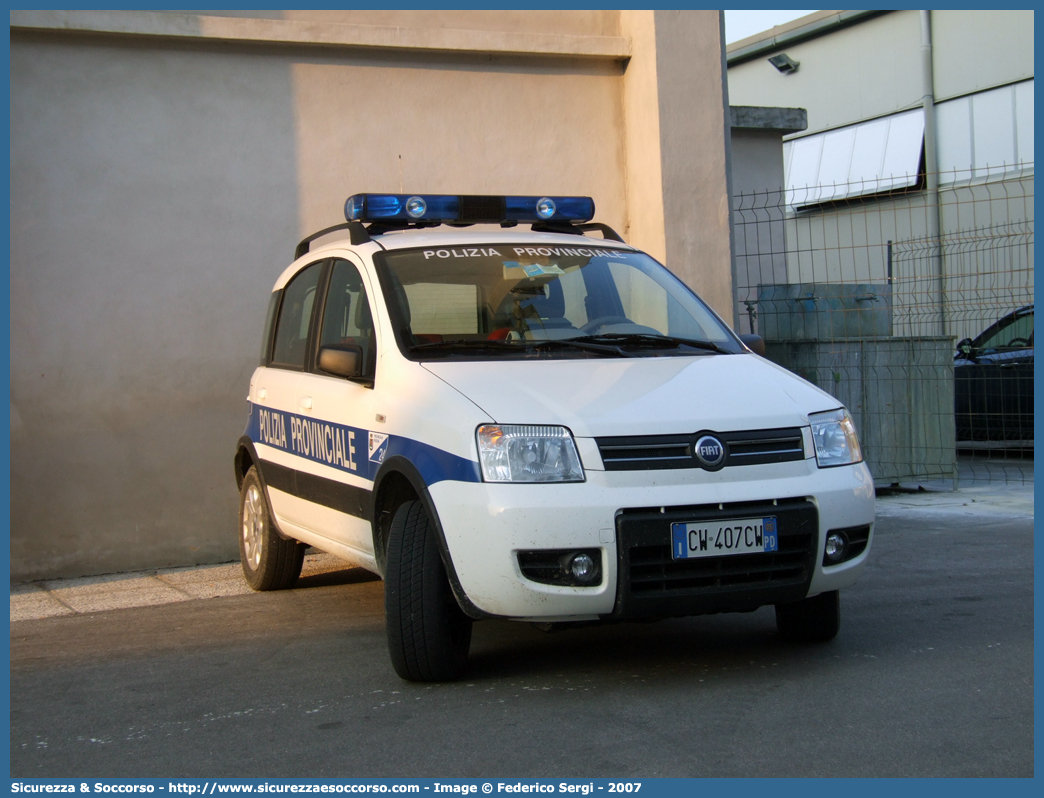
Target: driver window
[347,320]
[1017,335]
[295,315]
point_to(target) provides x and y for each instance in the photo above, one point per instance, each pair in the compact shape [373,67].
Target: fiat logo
[710,452]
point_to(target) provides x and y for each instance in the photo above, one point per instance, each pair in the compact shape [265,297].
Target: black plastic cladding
[480,209]
[651,584]
[547,566]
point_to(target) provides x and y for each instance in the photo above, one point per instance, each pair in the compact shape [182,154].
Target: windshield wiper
[505,346]
[578,343]
[662,341]
[499,346]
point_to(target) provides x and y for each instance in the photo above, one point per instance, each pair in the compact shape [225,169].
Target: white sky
[741,24]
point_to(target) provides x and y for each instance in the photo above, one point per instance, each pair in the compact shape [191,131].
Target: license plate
[721,538]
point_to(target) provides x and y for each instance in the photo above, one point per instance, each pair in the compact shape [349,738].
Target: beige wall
[515,127]
[976,50]
[873,68]
[163,167]
[695,148]
[868,70]
[585,22]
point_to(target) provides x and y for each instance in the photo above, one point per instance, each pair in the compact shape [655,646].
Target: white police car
[536,425]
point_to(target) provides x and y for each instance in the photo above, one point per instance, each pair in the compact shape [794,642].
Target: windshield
[498,301]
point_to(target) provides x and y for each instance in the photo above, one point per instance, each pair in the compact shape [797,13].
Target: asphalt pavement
[185,672]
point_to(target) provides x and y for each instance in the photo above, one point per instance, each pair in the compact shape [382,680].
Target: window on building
[855,161]
[985,134]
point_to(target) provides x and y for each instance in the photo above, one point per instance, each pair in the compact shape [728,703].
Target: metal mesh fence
[868,297]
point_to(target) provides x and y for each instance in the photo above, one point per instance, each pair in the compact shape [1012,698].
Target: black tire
[270,562]
[428,634]
[813,620]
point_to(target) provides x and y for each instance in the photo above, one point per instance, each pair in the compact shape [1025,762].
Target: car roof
[449,236]
[442,237]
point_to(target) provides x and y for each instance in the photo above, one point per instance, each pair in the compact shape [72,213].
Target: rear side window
[295,316]
[266,339]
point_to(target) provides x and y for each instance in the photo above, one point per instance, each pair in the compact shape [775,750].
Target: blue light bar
[466,209]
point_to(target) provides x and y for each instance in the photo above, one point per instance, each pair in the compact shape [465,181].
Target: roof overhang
[810,27]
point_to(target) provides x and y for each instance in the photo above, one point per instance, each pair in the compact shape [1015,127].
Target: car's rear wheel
[270,562]
[428,634]
[811,620]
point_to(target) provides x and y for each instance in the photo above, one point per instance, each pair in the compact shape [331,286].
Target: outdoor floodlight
[784,63]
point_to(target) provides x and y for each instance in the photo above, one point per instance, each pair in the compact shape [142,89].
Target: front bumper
[617,513]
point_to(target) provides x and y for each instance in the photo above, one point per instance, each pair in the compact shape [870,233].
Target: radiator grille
[750,447]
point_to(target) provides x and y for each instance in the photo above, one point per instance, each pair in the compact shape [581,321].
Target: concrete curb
[58,597]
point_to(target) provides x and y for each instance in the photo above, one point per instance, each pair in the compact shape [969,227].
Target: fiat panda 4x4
[535,424]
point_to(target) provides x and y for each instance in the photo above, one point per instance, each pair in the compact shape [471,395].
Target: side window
[291,338]
[347,319]
[1018,334]
[266,340]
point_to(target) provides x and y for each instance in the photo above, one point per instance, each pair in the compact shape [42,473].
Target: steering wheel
[604,321]
[1018,342]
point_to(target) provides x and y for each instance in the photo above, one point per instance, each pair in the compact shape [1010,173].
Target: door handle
[305,402]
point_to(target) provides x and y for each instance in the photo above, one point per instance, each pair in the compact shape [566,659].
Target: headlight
[835,438]
[516,453]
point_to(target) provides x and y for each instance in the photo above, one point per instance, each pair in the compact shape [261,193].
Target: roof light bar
[466,209]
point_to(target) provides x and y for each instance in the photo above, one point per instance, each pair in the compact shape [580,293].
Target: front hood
[638,396]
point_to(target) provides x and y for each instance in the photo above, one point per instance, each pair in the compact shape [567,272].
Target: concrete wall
[163,166]
[759,240]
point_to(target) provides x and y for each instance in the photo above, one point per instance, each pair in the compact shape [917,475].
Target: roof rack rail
[362,235]
[577,229]
[359,235]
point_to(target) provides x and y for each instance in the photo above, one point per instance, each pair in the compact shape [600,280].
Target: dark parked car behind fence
[994,381]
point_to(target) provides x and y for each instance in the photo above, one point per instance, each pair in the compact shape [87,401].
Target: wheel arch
[246,456]
[397,481]
[245,459]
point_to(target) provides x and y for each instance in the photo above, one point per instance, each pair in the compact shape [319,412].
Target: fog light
[836,547]
[583,567]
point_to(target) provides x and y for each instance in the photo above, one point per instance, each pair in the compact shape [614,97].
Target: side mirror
[343,361]
[965,346]
[755,343]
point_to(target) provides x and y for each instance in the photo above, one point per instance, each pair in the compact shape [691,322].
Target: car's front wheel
[270,562]
[810,620]
[428,634]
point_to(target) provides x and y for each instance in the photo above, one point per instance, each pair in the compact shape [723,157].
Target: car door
[338,416]
[276,394]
